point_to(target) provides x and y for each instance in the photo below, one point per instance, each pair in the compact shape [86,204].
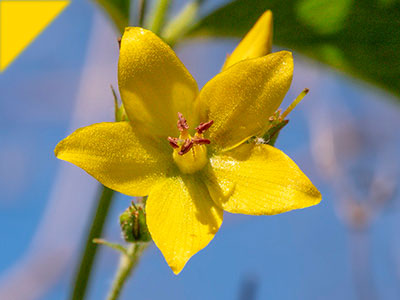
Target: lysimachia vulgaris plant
[195,153]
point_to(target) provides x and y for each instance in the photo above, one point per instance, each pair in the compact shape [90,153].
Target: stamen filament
[294,103]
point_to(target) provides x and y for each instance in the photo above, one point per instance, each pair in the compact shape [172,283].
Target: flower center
[190,153]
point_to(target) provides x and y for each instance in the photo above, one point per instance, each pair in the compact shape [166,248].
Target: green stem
[126,265]
[273,136]
[159,15]
[178,27]
[142,12]
[96,228]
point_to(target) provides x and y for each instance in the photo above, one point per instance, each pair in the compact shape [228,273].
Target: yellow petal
[153,82]
[182,219]
[241,99]
[256,43]
[259,180]
[118,156]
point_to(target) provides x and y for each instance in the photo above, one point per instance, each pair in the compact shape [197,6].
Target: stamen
[199,141]
[173,142]
[182,123]
[294,103]
[193,146]
[186,147]
[204,126]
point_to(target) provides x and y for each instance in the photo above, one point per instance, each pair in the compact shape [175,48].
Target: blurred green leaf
[114,246]
[361,38]
[117,11]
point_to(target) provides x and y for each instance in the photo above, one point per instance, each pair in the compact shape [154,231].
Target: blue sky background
[305,254]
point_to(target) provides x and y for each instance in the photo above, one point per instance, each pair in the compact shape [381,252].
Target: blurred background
[344,136]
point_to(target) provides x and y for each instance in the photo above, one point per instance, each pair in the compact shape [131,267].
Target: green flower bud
[133,224]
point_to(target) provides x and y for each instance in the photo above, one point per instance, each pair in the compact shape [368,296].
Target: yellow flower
[191,179]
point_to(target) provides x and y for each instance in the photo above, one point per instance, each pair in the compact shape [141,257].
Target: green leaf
[361,38]
[117,11]
[114,246]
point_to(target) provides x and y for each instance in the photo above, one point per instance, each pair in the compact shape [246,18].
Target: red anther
[186,147]
[204,126]
[182,124]
[173,142]
[198,141]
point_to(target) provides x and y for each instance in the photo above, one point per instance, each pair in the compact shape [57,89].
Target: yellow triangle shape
[21,22]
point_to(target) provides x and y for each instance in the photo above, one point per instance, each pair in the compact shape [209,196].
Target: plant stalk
[142,11]
[83,273]
[127,264]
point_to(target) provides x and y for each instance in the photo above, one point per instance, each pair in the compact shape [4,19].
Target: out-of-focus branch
[335,149]
[357,209]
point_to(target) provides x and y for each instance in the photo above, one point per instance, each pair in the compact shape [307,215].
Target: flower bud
[256,43]
[133,224]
